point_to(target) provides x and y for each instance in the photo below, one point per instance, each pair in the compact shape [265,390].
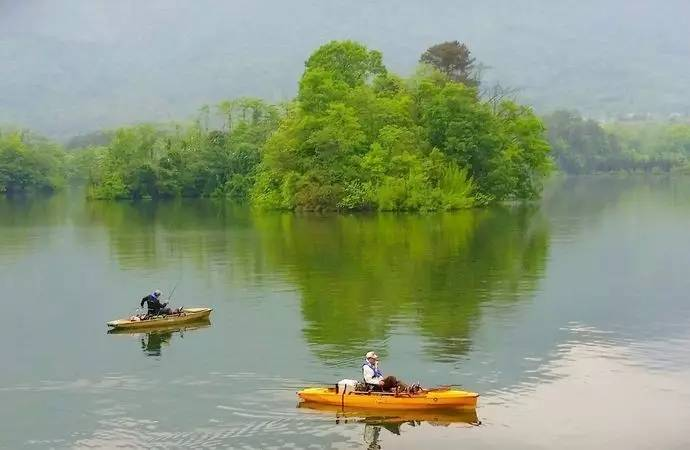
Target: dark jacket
[154,305]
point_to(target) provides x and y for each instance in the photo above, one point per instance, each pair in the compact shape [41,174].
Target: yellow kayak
[441,398]
[187,315]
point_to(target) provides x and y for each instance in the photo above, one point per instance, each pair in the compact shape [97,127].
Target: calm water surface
[571,318]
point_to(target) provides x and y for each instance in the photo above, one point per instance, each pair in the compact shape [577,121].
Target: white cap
[372,355]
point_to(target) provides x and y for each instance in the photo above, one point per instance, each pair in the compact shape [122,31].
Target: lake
[571,318]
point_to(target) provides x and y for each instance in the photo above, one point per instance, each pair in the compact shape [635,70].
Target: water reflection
[598,340]
[362,276]
[375,421]
[575,204]
[153,341]
[359,276]
[28,223]
[149,234]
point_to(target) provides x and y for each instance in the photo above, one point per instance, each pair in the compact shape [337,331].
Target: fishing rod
[172,292]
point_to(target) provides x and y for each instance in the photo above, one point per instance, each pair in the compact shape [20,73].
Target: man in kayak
[373,377]
[154,305]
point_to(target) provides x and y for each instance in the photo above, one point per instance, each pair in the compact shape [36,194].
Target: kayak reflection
[391,420]
[152,342]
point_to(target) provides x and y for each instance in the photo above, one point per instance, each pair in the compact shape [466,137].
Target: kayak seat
[363,387]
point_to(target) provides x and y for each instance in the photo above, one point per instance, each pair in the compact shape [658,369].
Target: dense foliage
[356,137]
[94,139]
[191,161]
[359,137]
[582,146]
[454,60]
[652,141]
[29,163]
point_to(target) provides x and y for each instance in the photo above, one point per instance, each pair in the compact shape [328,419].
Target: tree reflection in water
[362,275]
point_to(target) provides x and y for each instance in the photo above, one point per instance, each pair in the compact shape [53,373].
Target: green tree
[93,139]
[579,145]
[81,163]
[347,61]
[652,145]
[583,146]
[355,138]
[29,163]
[454,60]
[505,151]
[359,137]
[125,170]
[188,161]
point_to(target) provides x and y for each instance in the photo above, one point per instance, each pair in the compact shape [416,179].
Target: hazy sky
[76,65]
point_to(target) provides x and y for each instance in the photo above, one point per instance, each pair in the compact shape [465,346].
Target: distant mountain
[75,66]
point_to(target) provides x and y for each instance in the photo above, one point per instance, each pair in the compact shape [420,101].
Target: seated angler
[154,306]
[373,377]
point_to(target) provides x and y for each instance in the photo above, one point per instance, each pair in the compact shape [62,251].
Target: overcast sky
[70,66]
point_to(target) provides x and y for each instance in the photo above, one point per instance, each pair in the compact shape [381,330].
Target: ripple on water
[237,429]
[225,414]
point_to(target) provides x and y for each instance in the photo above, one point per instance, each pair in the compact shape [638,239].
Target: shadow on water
[152,341]
[375,421]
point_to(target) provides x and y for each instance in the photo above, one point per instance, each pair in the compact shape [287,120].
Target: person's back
[154,305]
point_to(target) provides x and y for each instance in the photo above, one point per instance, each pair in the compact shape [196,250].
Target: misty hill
[75,66]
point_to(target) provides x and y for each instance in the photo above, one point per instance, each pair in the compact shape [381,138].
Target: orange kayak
[439,398]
